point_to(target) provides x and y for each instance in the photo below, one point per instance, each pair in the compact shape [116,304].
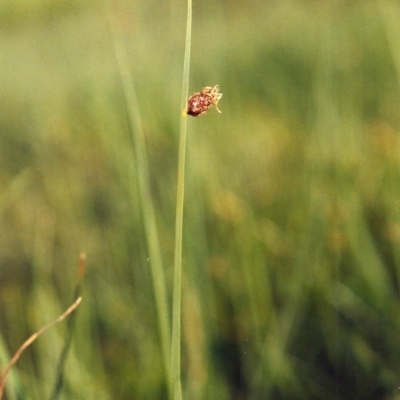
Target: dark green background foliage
[292,215]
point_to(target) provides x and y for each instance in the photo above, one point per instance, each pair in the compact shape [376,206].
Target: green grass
[290,252]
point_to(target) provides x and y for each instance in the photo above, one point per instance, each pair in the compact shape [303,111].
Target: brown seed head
[201,102]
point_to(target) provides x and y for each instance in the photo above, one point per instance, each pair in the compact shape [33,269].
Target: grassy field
[291,249]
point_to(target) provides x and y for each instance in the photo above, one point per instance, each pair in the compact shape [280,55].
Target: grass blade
[146,201]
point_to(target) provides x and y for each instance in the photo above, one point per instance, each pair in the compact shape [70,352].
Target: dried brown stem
[31,339]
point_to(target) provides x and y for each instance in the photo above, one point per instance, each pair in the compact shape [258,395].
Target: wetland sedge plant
[197,104]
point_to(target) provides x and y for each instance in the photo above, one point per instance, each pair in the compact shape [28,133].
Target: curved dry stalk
[31,339]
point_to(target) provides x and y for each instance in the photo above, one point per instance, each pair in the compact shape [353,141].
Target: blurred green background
[292,215]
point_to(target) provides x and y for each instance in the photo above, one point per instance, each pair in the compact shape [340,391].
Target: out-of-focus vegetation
[292,215]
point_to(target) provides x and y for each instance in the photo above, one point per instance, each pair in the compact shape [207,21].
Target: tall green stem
[176,307]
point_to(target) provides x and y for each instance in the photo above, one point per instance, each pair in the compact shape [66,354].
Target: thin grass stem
[177,301]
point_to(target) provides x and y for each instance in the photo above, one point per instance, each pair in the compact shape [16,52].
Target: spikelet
[199,103]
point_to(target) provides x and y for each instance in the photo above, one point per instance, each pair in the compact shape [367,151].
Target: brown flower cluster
[201,102]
